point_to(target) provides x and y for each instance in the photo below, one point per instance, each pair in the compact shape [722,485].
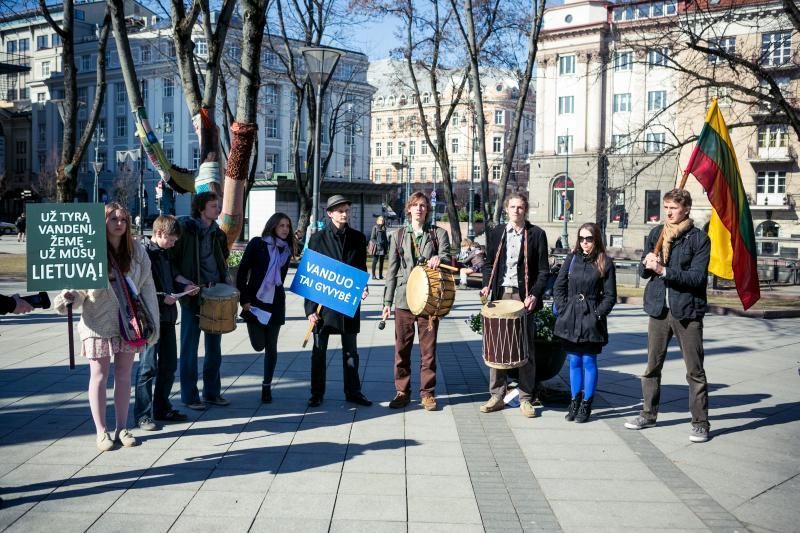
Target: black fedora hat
[336,199]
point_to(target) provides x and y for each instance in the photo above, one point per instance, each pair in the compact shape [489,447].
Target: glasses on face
[587,238]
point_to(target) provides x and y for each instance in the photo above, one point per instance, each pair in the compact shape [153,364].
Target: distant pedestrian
[21,224]
[584,294]
[379,244]
[559,244]
[675,299]
[260,279]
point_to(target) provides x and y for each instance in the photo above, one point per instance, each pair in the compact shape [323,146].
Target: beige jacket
[100,308]
[401,264]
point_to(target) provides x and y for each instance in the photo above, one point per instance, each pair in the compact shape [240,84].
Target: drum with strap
[505,335]
[430,292]
[218,308]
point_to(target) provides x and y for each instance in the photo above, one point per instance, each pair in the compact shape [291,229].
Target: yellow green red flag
[733,245]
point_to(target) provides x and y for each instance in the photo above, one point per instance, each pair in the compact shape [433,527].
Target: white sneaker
[126,438]
[104,442]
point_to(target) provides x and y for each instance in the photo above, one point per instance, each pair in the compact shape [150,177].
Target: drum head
[220,290]
[417,289]
[503,309]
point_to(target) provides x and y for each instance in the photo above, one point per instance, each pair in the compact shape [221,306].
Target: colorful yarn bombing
[207,176]
[179,179]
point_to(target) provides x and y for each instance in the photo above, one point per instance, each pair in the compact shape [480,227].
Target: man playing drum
[519,272]
[199,258]
[416,243]
[343,243]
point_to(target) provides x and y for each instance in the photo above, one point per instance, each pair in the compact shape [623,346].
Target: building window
[377,149]
[378,124]
[623,61]
[145,90]
[377,175]
[769,231]
[55,40]
[776,48]
[772,136]
[389,123]
[657,57]
[454,145]
[412,147]
[122,126]
[271,94]
[423,148]
[622,102]
[566,65]
[86,63]
[24,45]
[423,174]
[391,101]
[496,172]
[21,165]
[454,119]
[621,144]
[564,144]
[652,206]
[722,94]
[771,182]
[41,97]
[22,147]
[401,123]
[11,47]
[201,49]
[195,156]
[499,116]
[566,105]
[169,152]
[272,128]
[656,100]
[389,149]
[169,122]
[426,98]
[723,44]
[656,143]
[497,145]
[617,212]
[410,173]
[119,93]
[83,95]
[272,162]
[146,55]
[563,198]
[169,87]
[101,129]
[41,42]
[45,69]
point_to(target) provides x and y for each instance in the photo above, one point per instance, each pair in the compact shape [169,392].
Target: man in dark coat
[675,299]
[342,243]
[519,273]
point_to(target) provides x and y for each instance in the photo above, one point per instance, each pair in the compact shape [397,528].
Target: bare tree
[72,149]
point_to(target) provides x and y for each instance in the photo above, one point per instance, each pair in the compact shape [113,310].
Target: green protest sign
[66,247]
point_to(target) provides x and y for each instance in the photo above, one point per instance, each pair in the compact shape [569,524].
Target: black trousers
[319,356]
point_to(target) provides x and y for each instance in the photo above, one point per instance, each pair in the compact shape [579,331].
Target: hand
[22,306]
[314,318]
[170,299]
[365,293]
[70,296]
[387,312]
[530,302]
[245,307]
[485,292]
[192,289]
[434,262]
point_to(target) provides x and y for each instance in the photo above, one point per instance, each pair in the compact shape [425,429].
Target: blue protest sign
[329,282]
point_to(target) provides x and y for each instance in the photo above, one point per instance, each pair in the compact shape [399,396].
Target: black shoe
[173,415]
[573,407]
[266,394]
[380,277]
[359,398]
[315,401]
[584,411]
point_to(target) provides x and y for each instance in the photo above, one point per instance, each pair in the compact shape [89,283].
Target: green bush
[235,258]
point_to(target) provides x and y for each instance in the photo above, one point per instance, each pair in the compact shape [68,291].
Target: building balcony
[762,110]
[778,154]
[13,62]
[770,202]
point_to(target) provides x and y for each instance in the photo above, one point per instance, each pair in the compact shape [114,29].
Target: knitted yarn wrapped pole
[209,177]
[244,136]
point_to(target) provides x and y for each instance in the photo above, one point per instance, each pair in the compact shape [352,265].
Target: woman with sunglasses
[584,294]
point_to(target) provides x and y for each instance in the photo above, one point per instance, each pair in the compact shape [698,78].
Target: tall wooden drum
[218,307]
[505,334]
[430,292]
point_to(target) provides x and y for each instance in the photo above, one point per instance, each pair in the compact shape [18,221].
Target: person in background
[14,304]
[380,243]
[340,242]
[158,362]
[103,312]
[584,294]
[21,225]
[260,279]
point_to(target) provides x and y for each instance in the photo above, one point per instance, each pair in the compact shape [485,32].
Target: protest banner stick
[71,339]
[311,327]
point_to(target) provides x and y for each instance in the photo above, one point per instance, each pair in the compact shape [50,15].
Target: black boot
[266,393]
[584,411]
[573,407]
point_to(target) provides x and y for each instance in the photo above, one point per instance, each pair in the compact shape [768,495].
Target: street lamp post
[470,226]
[564,210]
[97,137]
[320,64]
[141,177]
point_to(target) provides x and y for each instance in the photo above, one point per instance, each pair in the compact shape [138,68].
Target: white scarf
[278,250]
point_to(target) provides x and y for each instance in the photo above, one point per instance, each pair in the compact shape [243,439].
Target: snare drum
[430,292]
[218,307]
[505,338]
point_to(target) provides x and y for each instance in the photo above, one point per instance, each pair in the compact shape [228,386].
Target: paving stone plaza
[284,467]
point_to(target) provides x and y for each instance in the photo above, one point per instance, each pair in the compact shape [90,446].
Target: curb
[767,314]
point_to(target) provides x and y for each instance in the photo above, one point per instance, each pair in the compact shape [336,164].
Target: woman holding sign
[115,323]
[416,243]
[260,282]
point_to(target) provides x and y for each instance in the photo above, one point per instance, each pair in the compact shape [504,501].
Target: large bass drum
[218,307]
[505,334]
[430,291]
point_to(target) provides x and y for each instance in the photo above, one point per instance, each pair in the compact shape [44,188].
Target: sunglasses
[581,238]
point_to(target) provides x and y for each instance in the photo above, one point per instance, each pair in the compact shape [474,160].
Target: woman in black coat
[260,282]
[584,294]
[379,240]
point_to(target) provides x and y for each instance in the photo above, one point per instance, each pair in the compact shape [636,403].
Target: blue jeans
[156,374]
[190,339]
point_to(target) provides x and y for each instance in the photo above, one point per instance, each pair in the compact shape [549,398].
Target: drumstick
[311,327]
[448,267]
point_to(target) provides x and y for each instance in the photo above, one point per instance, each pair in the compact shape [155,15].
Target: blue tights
[582,374]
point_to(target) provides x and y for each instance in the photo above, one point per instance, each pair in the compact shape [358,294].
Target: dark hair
[680,197]
[272,225]
[415,197]
[124,255]
[516,196]
[599,250]
[200,201]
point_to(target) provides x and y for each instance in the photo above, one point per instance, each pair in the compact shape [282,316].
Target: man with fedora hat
[338,241]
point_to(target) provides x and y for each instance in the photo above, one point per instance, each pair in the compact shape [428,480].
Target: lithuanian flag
[733,243]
